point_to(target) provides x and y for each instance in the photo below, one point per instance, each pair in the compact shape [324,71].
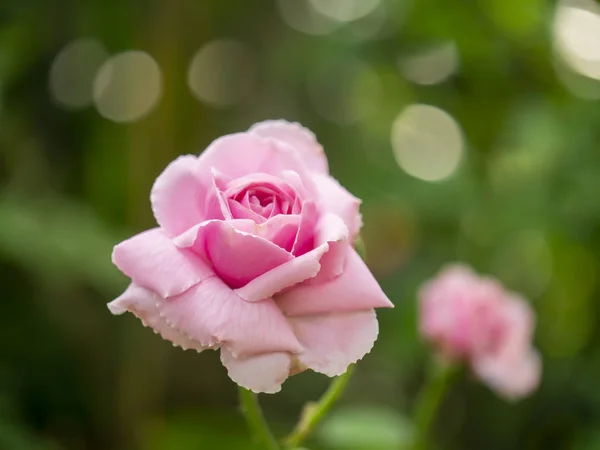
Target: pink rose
[253,255]
[475,319]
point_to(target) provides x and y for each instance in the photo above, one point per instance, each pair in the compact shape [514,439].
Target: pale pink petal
[211,312]
[241,154]
[152,261]
[336,199]
[513,368]
[264,181]
[281,230]
[284,276]
[216,206]
[331,230]
[240,211]
[355,289]
[178,195]
[305,238]
[234,249]
[298,137]
[334,341]
[261,373]
[512,378]
[144,304]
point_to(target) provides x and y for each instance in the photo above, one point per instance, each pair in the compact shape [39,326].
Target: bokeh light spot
[577,35]
[73,70]
[344,91]
[344,10]
[221,73]
[301,16]
[127,86]
[431,66]
[427,142]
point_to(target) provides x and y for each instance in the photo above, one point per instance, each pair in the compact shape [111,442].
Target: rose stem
[255,419]
[439,379]
[314,412]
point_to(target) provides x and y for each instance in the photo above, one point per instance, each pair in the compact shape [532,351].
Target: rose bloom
[253,255]
[474,319]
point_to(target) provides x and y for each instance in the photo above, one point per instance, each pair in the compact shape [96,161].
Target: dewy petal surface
[355,289]
[259,373]
[152,261]
[211,311]
[334,341]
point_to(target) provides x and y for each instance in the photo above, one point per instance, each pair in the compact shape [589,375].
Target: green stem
[314,412]
[430,398]
[256,421]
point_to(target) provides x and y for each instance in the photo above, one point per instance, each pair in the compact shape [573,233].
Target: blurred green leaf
[366,428]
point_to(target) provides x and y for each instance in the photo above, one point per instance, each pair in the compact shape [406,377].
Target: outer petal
[233,248]
[284,276]
[178,195]
[145,305]
[241,154]
[510,377]
[334,341]
[514,369]
[354,290]
[336,199]
[260,373]
[212,312]
[298,137]
[152,261]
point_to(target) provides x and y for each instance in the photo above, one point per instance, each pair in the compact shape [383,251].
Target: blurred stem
[314,412]
[439,378]
[255,419]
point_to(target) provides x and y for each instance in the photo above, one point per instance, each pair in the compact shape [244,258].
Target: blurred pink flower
[253,255]
[474,319]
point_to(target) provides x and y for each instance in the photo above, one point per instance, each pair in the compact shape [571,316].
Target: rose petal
[286,275]
[514,369]
[144,305]
[242,154]
[355,289]
[305,238]
[281,230]
[332,230]
[336,199]
[298,137]
[178,195]
[152,261]
[334,341]
[233,248]
[212,312]
[512,378]
[217,206]
[260,373]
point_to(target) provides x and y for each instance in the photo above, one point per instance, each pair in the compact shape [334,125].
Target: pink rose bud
[474,319]
[253,255]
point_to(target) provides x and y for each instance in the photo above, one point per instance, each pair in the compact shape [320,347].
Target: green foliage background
[524,205]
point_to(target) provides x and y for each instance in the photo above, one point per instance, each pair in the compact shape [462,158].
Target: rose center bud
[263,201]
